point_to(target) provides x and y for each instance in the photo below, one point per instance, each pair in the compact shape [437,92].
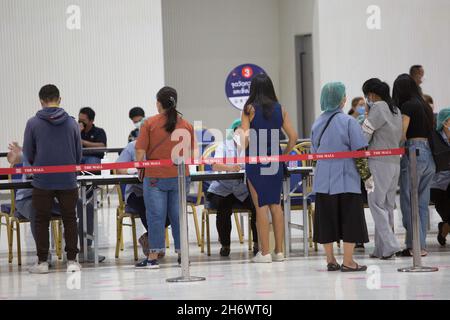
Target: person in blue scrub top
[337,183]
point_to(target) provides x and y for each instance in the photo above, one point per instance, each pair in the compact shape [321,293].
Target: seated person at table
[226,195]
[137,116]
[91,136]
[24,207]
[134,195]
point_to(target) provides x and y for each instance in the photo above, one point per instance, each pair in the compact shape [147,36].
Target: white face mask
[139,124]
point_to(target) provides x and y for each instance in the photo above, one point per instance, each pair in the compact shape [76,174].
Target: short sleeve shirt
[343,134]
[95,135]
[129,155]
[419,123]
[226,187]
[158,144]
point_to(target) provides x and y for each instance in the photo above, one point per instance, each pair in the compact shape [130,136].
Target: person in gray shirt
[383,130]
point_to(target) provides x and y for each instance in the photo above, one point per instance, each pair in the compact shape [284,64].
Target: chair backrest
[305,148]
[203,186]
[12,192]
[120,192]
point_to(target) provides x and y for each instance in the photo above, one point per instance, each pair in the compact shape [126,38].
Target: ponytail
[167,97]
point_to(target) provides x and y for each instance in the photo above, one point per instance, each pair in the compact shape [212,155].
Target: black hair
[168,98]
[262,94]
[49,93]
[414,70]
[382,90]
[405,89]
[136,112]
[89,112]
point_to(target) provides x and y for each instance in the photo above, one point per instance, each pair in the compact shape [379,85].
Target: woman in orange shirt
[160,136]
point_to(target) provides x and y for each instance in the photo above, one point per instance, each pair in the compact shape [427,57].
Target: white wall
[205,39]
[113,63]
[412,32]
[296,18]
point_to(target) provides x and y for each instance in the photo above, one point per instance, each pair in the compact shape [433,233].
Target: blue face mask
[361,110]
[369,103]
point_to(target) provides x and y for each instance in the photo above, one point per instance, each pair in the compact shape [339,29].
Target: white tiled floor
[231,278]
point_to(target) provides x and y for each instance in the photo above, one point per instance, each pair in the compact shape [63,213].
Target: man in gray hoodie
[52,138]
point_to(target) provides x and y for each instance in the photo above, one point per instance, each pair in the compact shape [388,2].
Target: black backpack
[441,151]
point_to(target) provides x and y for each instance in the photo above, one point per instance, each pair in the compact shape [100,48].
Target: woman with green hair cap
[337,184]
[440,187]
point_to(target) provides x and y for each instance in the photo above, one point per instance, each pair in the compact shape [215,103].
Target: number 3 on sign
[247,72]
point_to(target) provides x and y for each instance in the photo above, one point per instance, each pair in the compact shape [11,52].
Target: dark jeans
[137,204]
[441,200]
[43,203]
[224,207]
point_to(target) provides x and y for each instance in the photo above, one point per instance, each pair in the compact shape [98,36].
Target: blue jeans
[90,160]
[425,172]
[161,201]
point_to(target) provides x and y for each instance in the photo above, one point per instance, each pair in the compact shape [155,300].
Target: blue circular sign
[237,86]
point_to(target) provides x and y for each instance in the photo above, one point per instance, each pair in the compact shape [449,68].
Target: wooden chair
[14,222]
[209,152]
[121,214]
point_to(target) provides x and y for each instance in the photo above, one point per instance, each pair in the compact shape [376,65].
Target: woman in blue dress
[262,119]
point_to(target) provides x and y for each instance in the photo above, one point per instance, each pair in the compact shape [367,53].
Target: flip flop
[357,269]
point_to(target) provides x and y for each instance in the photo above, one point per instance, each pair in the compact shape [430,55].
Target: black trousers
[43,203]
[441,200]
[224,207]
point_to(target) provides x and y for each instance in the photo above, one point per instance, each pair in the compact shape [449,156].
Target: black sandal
[404,253]
[357,269]
[333,267]
[442,241]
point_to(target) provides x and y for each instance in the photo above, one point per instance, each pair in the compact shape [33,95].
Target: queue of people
[377,121]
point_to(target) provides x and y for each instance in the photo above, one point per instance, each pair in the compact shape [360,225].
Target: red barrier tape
[208,161]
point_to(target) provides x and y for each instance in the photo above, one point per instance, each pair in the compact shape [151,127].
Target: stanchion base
[186,279]
[418,269]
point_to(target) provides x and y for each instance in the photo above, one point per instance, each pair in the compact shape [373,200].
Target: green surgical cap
[236,124]
[443,116]
[332,95]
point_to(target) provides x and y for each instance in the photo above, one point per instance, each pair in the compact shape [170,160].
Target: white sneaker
[73,266]
[278,257]
[39,268]
[259,258]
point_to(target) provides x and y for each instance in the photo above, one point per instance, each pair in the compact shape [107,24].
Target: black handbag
[440,150]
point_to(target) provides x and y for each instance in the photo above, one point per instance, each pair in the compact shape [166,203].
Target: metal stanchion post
[83,198]
[287,219]
[417,260]
[184,237]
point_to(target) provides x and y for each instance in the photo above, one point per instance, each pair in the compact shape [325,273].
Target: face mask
[139,123]
[370,103]
[361,110]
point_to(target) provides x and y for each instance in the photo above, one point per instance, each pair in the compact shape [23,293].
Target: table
[96,181]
